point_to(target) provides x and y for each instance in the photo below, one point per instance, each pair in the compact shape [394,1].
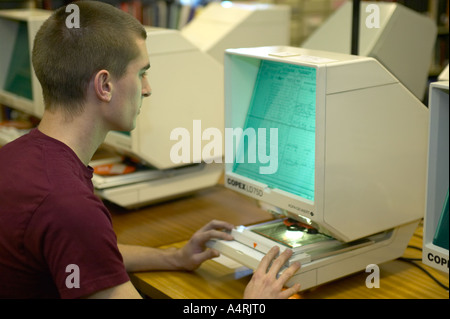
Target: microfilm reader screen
[282,115]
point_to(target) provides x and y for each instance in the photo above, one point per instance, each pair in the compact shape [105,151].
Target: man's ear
[103,85]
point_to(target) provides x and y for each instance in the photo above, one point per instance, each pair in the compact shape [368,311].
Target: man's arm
[123,291]
[141,258]
[188,257]
[264,283]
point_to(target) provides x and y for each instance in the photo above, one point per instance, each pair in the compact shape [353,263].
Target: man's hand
[194,253]
[265,284]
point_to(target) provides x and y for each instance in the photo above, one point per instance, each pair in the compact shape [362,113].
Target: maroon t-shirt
[56,236]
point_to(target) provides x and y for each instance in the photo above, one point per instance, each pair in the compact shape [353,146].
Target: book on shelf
[172,14]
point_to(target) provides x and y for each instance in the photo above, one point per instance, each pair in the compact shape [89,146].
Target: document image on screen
[284,98]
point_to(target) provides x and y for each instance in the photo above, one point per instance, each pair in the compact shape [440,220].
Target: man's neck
[82,134]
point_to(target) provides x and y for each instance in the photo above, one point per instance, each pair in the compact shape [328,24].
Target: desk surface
[177,220]
[398,280]
[172,223]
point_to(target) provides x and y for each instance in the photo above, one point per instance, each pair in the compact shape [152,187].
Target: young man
[93,80]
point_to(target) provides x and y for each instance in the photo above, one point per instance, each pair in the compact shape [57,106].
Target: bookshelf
[170,14]
[306,16]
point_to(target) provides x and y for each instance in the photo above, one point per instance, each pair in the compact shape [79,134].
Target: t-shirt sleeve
[75,239]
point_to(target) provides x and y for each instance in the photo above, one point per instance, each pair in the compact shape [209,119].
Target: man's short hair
[65,59]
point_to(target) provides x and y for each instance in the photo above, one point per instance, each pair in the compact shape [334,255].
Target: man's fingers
[202,237]
[267,259]
[206,254]
[287,274]
[217,224]
[201,257]
[280,262]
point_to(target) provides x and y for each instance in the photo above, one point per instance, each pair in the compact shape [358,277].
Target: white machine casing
[443,76]
[370,161]
[224,25]
[9,25]
[403,41]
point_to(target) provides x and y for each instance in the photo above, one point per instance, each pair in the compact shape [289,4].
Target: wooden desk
[177,220]
[172,223]
[211,281]
[398,280]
